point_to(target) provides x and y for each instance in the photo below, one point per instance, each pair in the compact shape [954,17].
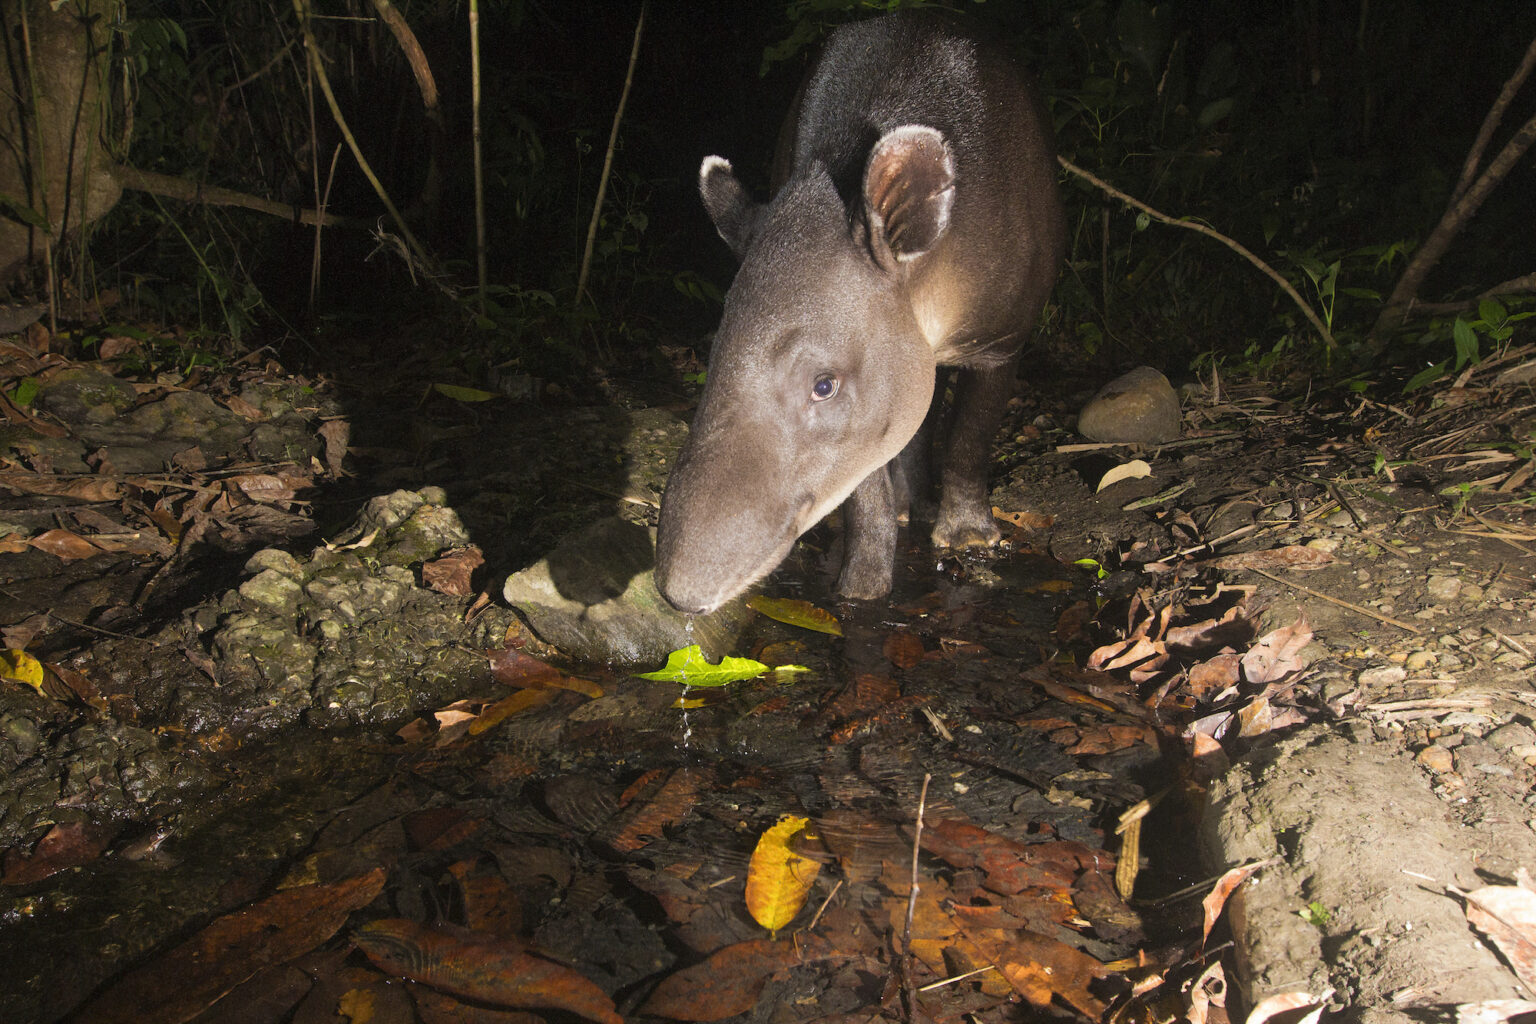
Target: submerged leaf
[689,667]
[482,967]
[793,612]
[779,877]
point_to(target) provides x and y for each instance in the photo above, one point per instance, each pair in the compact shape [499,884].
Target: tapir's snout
[722,528]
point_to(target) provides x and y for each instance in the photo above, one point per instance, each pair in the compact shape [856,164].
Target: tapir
[917,224]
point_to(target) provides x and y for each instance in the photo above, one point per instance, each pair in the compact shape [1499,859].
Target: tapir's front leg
[965,511]
[869,538]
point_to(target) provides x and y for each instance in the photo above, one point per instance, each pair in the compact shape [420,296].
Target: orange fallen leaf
[903,650]
[65,846]
[729,982]
[450,574]
[1216,899]
[481,967]
[64,545]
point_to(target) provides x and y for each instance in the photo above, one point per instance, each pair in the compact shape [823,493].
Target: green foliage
[1493,327]
[689,667]
[1315,914]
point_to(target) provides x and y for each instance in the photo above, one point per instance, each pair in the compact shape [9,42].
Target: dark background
[1315,132]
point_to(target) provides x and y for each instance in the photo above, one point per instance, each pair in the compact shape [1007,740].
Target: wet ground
[282,750]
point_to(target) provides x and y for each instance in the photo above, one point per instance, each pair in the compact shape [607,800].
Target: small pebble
[1327,545]
[1436,758]
[1419,661]
[1443,589]
[1383,675]
[1340,519]
[1512,735]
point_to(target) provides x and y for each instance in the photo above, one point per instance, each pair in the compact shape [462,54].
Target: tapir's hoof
[864,584]
[959,533]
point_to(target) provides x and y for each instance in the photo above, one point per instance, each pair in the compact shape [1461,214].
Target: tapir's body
[918,225]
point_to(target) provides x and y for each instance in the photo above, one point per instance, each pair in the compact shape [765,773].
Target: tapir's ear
[909,189]
[733,211]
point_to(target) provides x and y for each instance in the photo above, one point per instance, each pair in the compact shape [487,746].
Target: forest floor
[280,748]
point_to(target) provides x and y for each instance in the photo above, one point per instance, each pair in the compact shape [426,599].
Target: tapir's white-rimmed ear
[733,211]
[909,190]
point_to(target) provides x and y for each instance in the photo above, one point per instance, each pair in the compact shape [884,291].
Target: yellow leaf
[779,878]
[796,613]
[23,668]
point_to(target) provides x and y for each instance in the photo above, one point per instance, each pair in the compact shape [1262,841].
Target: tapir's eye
[825,387]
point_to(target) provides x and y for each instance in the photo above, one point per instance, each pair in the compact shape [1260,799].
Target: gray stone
[83,395]
[594,597]
[1139,407]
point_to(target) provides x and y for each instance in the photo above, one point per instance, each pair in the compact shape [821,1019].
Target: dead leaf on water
[794,612]
[187,980]
[729,982]
[481,967]
[65,846]
[779,877]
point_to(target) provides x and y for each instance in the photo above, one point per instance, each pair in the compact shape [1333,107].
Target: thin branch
[1463,205]
[1237,247]
[301,8]
[190,191]
[1523,285]
[479,153]
[1491,122]
[613,138]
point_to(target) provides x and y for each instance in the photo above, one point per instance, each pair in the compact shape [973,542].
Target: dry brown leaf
[1277,654]
[1216,899]
[729,982]
[1288,1003]
[1507,915]
[65,846]
[450,574]
[481,967]
[903,650]
[64,545]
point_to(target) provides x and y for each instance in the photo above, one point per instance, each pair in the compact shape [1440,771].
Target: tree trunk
[55,170]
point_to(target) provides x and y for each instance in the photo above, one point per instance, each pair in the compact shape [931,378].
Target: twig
[1237,247]
[613,139]
[1400,624]
[909,990]
[312,48]
[1463,204]
[84,625]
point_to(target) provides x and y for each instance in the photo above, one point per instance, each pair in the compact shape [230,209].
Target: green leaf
[689,667]
[26,214]
[1425,376]
[26,390]
[793,612]
[463,394]
[1466,343]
